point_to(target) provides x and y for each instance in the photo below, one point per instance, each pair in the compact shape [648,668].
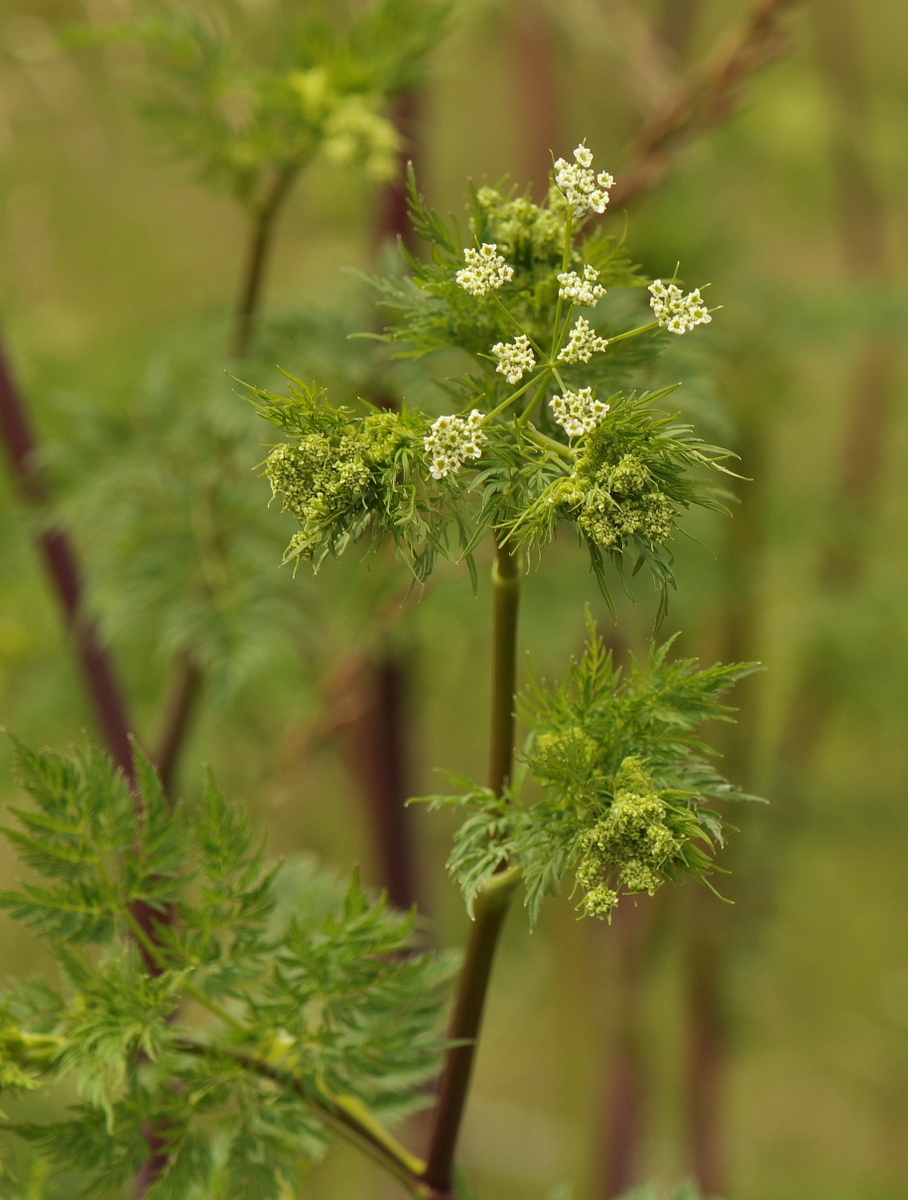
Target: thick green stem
[492,905]
[506,591]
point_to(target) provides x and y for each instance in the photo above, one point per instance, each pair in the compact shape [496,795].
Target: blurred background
[759,1047]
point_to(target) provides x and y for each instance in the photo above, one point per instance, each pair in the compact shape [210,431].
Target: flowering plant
[223,1034]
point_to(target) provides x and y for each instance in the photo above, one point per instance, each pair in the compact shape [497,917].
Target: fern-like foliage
[162,495]
[251,103]
[628,785]
[199,1000]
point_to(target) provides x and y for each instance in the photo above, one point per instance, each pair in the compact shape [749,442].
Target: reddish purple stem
[63,568]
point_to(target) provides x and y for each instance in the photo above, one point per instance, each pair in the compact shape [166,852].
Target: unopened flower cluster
[615,503]
[582,344]
[583,189]
[485,272]
[631,845]
[578,412]
[318,480]
[676,312]
[585,291]
[514,358]
[521,230]
[334,482]
[452,440]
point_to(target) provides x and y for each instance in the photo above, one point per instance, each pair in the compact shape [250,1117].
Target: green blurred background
[117,273]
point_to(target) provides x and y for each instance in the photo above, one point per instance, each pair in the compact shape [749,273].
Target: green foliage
[161,492]
[627,784]
[252,105]
[649,1191]
[515,460]
[345,475]
[316,1014]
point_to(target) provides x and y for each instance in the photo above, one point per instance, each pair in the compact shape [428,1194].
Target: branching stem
[546,443]
[493,902]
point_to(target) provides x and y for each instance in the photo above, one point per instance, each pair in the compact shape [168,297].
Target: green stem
[620,337]
[506,592]
[540,394]
[519,326]
[492,904]
[343,1116]
[506,403]
[546,443]
[257,256]
[557,334]
[559,380]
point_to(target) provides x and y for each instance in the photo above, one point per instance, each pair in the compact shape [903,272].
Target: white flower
[578,412]
[582,188]
[514,358]
[582,344]
[676,312]
[452,440]
[586,291]
[485,271]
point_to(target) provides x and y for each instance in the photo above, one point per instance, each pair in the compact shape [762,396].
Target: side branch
[704,98]
[62,566]
[342,1116]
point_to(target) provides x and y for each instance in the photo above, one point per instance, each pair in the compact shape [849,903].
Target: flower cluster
[355,132]
[578,412]
[342,476]
[582,344]
[582,188]
[523,231]
[676,312]
[618,502]
[452,440]
[586,291]
[486,270]
[319,479]
[633,839]
[514,358]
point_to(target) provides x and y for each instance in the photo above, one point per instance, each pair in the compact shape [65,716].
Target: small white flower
[578,412]
[514,358]
[674,311]
[452,440]
[582,344]
[586,291]
[582,188]
[486,270]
